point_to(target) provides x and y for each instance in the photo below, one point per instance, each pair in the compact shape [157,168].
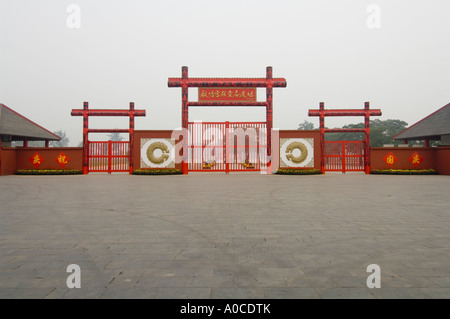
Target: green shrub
[49,172]
[298,171]
[404,172]
[163,171]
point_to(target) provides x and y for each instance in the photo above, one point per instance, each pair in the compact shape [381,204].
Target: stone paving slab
[224,236]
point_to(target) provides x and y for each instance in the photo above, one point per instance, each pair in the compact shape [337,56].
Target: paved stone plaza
[225,236]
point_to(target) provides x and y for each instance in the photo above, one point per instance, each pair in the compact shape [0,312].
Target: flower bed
[404,172]
[208,165]
[248,165]
[165,171]
[49,172]
[298,171]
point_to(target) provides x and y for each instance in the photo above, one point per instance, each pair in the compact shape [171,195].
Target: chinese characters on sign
[36,160]
[390,159]
[62,159]
[416,159]
[227,94]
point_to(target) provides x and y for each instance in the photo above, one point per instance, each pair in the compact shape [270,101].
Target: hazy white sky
[126,50]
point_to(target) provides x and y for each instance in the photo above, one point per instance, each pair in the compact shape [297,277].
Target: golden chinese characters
[62,159]
[36,159]
[390,159]
[227,94]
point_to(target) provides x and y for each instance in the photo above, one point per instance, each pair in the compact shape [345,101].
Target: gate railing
[109,156]
[227,146]
[344,156]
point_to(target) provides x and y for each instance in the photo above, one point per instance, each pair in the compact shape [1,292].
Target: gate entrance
[109,156]
[344,156]
[227,146]
[219,92]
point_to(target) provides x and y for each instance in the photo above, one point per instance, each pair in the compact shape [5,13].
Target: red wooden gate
[227,146]
[367,113]
[110,156]
[344,156]
[97,154]
[228,97]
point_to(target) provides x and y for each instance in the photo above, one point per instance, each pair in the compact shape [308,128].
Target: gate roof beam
[106,112]
[116,130]
[344,112]
[345,130]
[208,104]
[228,82]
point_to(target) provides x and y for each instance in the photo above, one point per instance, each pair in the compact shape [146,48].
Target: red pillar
[367,137]
[427,142]
[131,137]
[322,135]
[185,116]
[269,118]
[227,151]
[47,144]
[109,156]
[25,143]
[85,138]
[343,157]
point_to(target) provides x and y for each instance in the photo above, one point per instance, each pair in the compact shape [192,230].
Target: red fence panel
[109,156]
[120,156]
[247,146]
[227,146]
[354,156]
[344,156]
[333,156]
[98,156]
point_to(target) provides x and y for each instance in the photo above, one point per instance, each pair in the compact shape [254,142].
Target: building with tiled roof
[16,127]
[435,126]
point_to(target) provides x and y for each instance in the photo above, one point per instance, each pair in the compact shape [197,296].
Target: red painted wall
[49,155]
[8,161]
[138,135]
[13,158]
[443,160]
[403,154]
[305,134]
